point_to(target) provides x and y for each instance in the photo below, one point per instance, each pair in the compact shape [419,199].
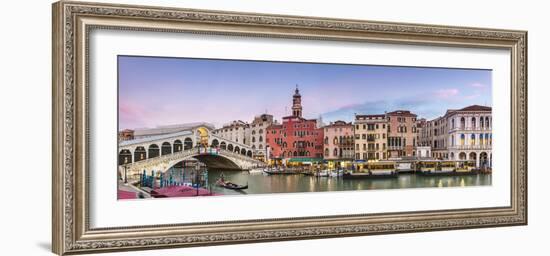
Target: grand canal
[259,183]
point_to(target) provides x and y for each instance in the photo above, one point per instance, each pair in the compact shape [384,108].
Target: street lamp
[197,169]
[125,171]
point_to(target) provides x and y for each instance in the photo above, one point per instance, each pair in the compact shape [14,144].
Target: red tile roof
[401,113]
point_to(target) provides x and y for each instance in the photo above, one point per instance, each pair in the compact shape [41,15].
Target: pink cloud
[477,85]
[473,96]
[446,93]
[132,115]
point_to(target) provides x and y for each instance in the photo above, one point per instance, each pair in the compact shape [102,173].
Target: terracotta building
[126,134]
[401,133]
[296,137]
[338,142]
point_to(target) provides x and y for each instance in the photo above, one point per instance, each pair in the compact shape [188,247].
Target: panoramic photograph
[191,127]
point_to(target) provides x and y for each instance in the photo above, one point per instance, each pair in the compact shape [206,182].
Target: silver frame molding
[72,22]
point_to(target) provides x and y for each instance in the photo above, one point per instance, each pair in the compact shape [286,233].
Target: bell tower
[297,103]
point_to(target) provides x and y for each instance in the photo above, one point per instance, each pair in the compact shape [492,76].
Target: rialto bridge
[161,152]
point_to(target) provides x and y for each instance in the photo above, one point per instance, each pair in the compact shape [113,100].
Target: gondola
[230,185]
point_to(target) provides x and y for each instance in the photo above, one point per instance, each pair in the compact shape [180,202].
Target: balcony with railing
[395,147]
[471,147]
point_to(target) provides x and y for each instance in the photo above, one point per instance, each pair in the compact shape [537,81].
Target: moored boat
[256,170]
[374,170]
[367,175]
[281,172]
[336,173]
[322,173]
[447,168]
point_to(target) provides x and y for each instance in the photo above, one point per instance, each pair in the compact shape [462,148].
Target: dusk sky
[157,91]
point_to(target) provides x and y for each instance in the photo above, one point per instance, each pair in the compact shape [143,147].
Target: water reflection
[259,183]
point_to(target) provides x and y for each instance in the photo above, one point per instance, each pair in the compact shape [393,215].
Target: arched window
[462,123]
[140,154]
[124,157]
[481,123]
[487,142]
[295,153]
[253,139]
[260,146]
[472,139]
[452,123]
[481,139]
[178,146]
[187,143]
[452,140]
[462,139]
[166,148]
[253,146]
[473,122]
[487,125]
[261,139]
[335,140]
[253,132]
[215,143]
[326,140]
[335,152]
[153,151]
[326,151]
[261,131]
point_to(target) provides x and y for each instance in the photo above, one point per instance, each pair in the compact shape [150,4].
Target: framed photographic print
[179,127]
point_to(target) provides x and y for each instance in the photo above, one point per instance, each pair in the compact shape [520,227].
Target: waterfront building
[463,134]
[296,138]
[125,134]
[371,132]
[434,134]
[258,135]
[339,144]
[401,133]
[470,134]
[237,131]
[423,152]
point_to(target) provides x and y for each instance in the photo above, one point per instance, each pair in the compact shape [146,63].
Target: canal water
[259,183]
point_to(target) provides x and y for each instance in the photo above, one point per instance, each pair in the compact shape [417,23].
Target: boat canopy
[305,160]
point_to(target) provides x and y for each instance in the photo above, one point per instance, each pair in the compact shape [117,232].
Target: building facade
[470,134]
[463,134]
[237,131]
[339,143]
[371,137]
[401,133]
[296,137]
[258,135]
[125,134]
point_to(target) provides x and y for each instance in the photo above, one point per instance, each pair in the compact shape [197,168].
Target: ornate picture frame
[72,23]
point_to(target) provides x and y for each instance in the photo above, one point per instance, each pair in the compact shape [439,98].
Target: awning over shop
[305,160]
